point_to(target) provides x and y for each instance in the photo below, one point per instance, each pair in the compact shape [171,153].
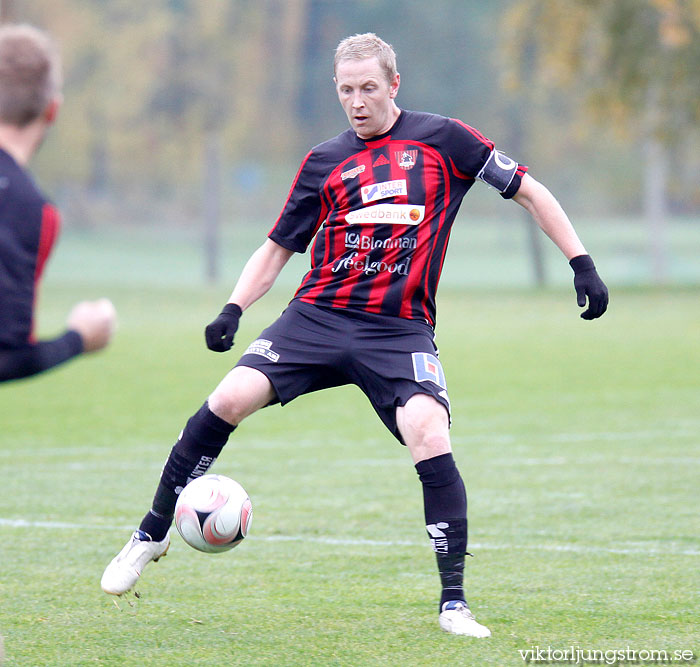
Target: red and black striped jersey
[381,212]
[29,226]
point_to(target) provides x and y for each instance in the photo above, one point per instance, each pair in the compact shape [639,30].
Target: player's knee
[430,434]
[424,416]
[424,426]
[241,393]
[431,444]
[226,407]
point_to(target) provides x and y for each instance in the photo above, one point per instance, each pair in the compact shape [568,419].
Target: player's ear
[52,108]
[394,86]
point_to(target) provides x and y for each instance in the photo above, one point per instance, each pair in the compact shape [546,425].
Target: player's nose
[358,101]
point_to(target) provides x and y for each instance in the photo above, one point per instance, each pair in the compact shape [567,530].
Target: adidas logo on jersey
[381,161]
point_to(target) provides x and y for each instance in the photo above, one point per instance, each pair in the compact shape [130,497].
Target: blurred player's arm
[541,204]
[32,359]
[258,275]
[89,327]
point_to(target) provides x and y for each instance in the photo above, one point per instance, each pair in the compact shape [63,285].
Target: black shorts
[312,347]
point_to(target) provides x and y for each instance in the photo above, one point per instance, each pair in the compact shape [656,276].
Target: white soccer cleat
[457,619]
[126,567]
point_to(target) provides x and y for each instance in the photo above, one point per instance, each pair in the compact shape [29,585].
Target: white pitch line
[666,550]
[607,436]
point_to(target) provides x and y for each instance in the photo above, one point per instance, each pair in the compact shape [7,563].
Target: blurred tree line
[172,103]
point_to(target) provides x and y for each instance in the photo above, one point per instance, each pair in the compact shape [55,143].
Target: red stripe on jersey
[437,243]
[458,173]
[323,237]
[379,143]
[321,218]
[435,170]
[475,133]
[50,227]
[342,295]
[382,280]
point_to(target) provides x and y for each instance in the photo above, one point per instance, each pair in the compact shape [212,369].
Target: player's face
[366,96]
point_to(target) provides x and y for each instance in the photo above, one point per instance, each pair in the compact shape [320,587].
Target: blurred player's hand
[219,334]
[587,283]
[95,321]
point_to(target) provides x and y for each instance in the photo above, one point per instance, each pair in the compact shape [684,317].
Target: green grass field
[579,443]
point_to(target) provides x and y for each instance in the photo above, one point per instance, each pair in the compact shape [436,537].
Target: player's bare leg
[424,426]
[239,394]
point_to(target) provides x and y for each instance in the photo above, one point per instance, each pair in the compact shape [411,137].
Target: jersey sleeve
[31,359]
[477,157]
[304,210]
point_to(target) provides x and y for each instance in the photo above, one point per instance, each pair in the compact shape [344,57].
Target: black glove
[219,334]
[587,283]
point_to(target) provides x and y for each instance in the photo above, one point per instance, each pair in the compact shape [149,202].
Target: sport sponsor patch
[427,368]
[359,241]
[361,262]
[383,190]
[263,348]
[392,214]
[351,173]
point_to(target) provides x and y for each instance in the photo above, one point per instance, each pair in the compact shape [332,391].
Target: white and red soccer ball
[213,513]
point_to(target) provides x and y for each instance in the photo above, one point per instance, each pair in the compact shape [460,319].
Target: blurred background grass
[579,443]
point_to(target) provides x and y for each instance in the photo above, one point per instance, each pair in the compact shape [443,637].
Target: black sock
[200,442]
[445,506]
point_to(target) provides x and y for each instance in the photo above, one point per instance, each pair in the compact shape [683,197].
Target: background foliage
[155,90]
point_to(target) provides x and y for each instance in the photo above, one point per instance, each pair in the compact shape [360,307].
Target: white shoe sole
[457,624]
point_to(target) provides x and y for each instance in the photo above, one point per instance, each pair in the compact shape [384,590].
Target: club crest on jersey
[406,159]
[383,190]
[351,173]
[427,368]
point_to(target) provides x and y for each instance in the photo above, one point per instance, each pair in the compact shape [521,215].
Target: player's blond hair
[367,45]
[30,73]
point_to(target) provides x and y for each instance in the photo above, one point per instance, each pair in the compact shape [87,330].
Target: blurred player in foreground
[30,96]
[378,202]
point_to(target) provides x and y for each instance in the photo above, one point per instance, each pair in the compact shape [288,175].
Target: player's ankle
[155,526]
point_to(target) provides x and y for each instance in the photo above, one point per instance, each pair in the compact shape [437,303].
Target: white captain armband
[499,171]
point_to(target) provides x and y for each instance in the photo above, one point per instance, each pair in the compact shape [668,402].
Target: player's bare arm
[258,275]
[541,204]
[550,216]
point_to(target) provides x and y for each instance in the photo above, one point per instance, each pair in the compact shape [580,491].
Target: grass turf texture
[578,441]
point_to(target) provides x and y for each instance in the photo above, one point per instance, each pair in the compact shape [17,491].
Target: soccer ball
[213,513]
